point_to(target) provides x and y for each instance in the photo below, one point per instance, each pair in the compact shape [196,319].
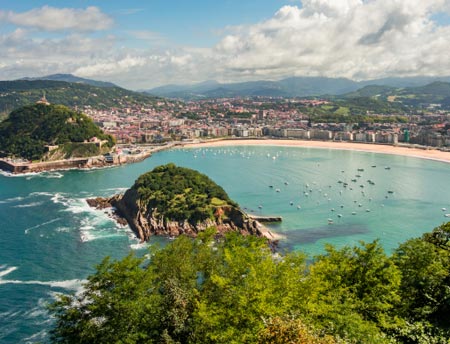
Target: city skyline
[143,45]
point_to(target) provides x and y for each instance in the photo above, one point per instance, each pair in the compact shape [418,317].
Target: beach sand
[432,154]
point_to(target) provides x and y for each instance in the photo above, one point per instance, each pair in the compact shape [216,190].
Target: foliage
[235,290]
[27,130]
[180,193]
[425,287]
[293,331]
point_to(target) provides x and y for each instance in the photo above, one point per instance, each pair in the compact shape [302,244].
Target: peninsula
[43,137]
[171,200]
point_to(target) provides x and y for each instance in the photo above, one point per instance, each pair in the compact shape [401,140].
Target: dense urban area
[306,119]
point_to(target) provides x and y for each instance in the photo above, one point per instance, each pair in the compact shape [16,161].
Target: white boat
[330,221]
[447,215]
[444,209]
[339,215]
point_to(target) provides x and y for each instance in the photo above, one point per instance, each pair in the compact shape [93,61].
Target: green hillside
[17,93]
[437,92]
[27,131]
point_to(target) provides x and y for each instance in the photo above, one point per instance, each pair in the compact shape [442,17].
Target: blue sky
[143,44]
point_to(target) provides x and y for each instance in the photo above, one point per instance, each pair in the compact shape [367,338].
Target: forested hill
[17,93]
[27,131]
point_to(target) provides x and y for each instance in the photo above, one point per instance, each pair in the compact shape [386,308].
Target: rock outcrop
[170,201]
[147,222]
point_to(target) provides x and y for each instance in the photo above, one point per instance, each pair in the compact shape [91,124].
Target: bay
[51,240]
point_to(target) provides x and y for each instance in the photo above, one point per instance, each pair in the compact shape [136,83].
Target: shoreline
[429,153]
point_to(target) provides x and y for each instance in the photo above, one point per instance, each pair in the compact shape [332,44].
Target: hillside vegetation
[14,94]
[27,131]
[236,291]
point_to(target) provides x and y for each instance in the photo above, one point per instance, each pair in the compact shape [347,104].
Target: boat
[271,186]
[339,215]
[358,175]
[447,215]
[278,190]
[291,203]
[330,221]
[374,165]
[443,209]
[353,212]
[387,168]
[390,192]
[286,183]
[332,209]
[299,207]
[360,169]
[367,210]
[260,206]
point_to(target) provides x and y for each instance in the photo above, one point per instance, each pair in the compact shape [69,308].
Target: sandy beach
[432,154]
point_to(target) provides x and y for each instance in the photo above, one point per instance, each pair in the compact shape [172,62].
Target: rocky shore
[146,223]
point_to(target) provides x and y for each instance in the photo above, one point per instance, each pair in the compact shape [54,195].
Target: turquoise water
[51,240]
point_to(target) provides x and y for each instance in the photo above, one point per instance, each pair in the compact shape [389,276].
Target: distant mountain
[289,87]
[371,91]
[72,78]
[14,94]
[437,92]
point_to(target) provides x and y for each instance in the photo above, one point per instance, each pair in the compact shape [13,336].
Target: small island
[171,200]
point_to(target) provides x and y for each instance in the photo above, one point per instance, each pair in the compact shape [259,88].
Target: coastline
[430,153]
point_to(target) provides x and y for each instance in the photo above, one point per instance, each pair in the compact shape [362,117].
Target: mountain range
[72,78]
[289,87]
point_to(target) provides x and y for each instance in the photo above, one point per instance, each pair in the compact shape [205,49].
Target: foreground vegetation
[234,290]
[27,131]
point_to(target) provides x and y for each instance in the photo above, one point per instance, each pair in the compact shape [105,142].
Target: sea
[51,240]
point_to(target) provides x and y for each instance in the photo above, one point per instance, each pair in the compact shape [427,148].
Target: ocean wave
[28,205]
[19,175]
[74,284]
[12,200]
[140,246]
[7,270]
[41,225]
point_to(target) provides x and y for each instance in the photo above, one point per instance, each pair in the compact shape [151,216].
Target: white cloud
[57,19]
[348,38]
[360,39]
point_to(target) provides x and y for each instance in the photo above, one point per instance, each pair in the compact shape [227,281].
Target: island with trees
[172,200]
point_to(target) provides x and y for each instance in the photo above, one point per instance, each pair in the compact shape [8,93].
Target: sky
[150,43]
